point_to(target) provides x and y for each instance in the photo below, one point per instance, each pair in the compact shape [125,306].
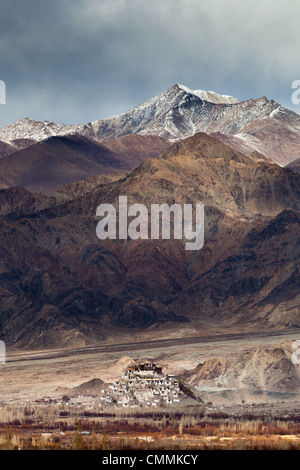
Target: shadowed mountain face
[295,166]
[15,145]
[61,285]
[48,165]
[6,149]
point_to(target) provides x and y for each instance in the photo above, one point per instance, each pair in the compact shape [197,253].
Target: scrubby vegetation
[158,430]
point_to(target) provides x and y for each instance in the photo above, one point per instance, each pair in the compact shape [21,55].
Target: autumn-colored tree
[79,438]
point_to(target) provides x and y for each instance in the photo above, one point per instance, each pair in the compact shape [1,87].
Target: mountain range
[259,125]
[61,286]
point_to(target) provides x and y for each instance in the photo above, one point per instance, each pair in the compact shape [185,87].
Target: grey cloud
[81,60]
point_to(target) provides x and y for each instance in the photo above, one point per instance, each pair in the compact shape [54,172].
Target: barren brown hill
[268,368]
[137,148]
[61,285]
[275,138]
[262,369]
[6,149]
[207,372]
[91,387]
[48,165]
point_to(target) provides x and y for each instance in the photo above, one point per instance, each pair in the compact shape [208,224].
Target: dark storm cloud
[81,60]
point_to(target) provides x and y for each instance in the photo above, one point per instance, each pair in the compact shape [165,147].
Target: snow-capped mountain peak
[30,129]
[180,112]
[210,96]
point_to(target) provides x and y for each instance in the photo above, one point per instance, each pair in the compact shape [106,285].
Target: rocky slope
[263,369]
[61,285]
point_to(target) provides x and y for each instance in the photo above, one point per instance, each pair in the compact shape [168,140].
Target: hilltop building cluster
[143,384]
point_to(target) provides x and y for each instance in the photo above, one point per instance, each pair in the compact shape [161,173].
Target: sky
[76,61]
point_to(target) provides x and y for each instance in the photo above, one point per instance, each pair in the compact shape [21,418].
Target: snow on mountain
[180,112]
[211,96]
[34,130]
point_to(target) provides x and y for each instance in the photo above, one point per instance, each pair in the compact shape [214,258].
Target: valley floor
[32,414]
